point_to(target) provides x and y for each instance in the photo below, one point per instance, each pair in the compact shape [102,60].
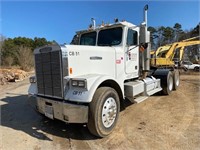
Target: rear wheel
[176,79]
[103,111]
[167,89]
[166,78]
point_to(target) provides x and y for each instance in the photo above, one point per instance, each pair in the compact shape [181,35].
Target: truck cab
[88,82]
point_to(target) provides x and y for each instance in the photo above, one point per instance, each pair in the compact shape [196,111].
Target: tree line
[165,35]
[18,51]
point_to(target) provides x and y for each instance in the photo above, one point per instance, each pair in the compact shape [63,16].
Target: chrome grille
[49,73]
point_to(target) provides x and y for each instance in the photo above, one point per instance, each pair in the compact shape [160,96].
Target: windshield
[88,39]
[109,37]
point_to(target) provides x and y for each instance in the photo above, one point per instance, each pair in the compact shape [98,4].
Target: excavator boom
[164,55]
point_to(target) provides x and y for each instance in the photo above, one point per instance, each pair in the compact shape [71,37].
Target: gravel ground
[160,122]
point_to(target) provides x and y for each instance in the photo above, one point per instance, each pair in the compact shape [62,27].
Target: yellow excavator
[165,55]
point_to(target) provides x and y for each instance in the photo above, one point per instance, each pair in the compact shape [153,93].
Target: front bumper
[61,110]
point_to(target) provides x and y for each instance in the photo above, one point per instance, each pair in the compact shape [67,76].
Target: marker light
[70,70]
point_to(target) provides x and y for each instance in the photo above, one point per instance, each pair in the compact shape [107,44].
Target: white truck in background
[87,83]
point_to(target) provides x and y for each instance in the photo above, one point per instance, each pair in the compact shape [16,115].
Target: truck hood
[90,60]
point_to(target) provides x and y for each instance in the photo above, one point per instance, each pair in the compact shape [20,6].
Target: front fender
[76,94]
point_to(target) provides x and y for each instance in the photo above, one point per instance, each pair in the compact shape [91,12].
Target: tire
[196,68]
[167,89]
[176,79]
[166,78]
[105,105]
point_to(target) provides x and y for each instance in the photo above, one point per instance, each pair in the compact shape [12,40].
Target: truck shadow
[18,113]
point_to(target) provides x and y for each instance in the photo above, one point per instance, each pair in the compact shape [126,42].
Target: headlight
[81,83]
[32,79]
[74,83]
[78,83]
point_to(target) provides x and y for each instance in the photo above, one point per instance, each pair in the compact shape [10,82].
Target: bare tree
[2,38]
[8,61]
[25,58]
[177,31]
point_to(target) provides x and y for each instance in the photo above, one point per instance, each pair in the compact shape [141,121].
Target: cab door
[132,52]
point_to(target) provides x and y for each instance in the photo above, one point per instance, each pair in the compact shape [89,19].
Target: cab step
[137,99]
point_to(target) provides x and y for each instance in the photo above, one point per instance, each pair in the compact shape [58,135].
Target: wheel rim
[109,112]
[170,83]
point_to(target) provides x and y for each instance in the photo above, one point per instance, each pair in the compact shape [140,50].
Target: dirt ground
[160,122]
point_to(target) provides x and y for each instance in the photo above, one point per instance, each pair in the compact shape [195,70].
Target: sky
[59,20]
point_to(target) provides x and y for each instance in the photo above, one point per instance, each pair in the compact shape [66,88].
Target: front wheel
[103,111]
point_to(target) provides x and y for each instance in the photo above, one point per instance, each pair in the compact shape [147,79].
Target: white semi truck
[88,82]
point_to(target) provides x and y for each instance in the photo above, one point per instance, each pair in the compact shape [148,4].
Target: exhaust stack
[145,39]
[145,13]
[93,23]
